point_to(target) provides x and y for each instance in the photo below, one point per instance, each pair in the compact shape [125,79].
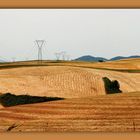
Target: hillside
[1,106]
[106,113]
[126,65]
[63,81]
[86,107]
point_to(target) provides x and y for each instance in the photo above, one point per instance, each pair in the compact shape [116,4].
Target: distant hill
[2,61]
[96,59]
[122,57]
[90,58]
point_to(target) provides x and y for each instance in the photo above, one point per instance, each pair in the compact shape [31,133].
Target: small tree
[100,60]
[111,86]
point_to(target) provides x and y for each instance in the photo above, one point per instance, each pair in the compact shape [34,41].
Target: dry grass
[130,64]
[63,81]
[89,109]
[50,81]
[107,113]
[125,64]
[1,106]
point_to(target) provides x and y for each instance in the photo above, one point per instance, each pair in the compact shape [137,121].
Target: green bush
[9,99]
[111,86]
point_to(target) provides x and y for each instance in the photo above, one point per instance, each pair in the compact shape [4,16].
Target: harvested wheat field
[133,63]
[130,64]
[124,64]
[1,106]
[86,107]
[63,81]
[105,113]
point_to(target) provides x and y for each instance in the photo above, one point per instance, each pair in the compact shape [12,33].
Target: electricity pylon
[40,44]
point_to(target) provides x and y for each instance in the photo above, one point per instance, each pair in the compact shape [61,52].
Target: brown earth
[89,110]
[1,106]
[105,113]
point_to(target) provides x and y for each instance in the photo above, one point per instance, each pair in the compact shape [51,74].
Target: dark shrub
[111,86]
[100,60]
[9,99]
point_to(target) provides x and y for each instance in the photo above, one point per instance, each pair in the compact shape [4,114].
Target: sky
[97,32]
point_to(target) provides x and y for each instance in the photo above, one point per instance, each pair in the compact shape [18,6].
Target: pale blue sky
[97,32]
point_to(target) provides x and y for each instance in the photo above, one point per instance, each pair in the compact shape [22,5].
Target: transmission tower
[58,55]
[14,59]
[40,44]
[63,55]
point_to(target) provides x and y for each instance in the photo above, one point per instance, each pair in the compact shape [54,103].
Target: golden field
[63,81]
[110,113]
[86,106]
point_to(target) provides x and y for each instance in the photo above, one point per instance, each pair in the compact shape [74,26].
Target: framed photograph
[69,66]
